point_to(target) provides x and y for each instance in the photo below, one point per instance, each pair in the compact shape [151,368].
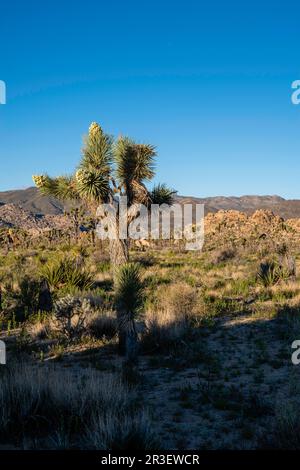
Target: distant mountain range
[31,200]
[286,208]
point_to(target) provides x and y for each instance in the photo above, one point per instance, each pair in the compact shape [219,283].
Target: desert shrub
[40,326]
[146,260]
[163,331]
[66,273]
[270,272]
[288,266]
[179,299]
[21,298]
[222,255]
[282,249]
[70,315]
[29,290]
[216,306]
[48,407]
[38,330]
[289,322]
[170,317]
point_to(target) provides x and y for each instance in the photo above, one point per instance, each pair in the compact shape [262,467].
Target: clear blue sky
[207,82]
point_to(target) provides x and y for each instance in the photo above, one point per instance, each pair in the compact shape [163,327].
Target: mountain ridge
[32,201]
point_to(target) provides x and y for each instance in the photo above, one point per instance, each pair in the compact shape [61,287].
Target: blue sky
[209,83]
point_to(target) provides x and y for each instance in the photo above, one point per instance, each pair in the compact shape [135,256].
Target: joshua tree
[106,171]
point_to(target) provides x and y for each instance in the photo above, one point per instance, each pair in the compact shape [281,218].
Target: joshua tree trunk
[131,341]
[119,254]
[45,303]
[128,340]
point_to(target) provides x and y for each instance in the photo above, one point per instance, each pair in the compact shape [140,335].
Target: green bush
[270,272]
[66,274]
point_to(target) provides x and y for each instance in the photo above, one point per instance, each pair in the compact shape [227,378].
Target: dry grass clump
[121,432]
[48,407]
[224,254]
[285,430]
[179,300]
[163,331]
[102,324]
[170,319]
[41,329]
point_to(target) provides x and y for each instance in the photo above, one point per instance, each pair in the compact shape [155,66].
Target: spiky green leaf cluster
[62,187]
[161,194]
[129,288]
[134,162]
[106,169]
[92,185]
[97,151]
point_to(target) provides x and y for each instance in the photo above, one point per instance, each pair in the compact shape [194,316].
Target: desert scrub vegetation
[170,317]
[205,336]
[46,407]
[210,336]
[66,274]
[280,268]
[71,315]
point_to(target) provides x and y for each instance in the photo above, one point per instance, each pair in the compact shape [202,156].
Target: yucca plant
[65,273]
[268,273]
[271,272]
[106,171]
[129,300]
[161,194]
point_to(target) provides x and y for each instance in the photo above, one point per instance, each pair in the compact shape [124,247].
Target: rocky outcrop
[13,216]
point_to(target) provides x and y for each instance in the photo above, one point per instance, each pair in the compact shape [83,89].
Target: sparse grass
[89,410]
